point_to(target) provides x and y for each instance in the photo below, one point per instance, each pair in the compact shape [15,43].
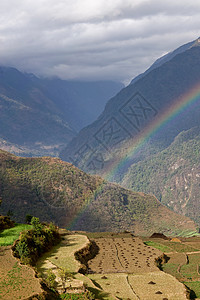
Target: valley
[39,116]
[147,137]
[109,189]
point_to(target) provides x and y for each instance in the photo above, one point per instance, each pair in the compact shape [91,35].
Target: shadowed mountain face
[167,161]
[128,115]
[57,191]
[160,61]
[80,102]
[40,116]
[29,121]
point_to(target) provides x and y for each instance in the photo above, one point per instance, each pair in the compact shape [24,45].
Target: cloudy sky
[93,39]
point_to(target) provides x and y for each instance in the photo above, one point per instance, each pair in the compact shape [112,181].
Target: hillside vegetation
[173,175]
[57,191]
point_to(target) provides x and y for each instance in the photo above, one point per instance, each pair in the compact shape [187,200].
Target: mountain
[57,191]
[167,57]
[40,116]
[80,102]
[129,141]
[173,175]
[129,114]
[29,121]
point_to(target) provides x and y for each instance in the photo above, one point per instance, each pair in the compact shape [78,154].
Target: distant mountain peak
[170,78]
[167,57]
[196,43]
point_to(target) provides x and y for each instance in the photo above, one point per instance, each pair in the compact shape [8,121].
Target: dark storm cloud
[93,39]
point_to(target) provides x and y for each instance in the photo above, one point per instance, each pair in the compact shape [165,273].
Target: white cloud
[93,39]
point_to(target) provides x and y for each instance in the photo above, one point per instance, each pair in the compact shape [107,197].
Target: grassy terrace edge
[10,235]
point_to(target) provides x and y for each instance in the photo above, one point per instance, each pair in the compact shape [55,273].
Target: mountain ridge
[40,116]
[181,73]
[165,58]
[131,121]
[57,191]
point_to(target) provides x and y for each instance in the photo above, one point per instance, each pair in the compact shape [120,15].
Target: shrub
[5,222]
[64,274]
[28,219]
[50,279]
[34,242]
[35,222]
[22,249]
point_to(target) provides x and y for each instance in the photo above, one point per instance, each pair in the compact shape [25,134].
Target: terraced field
[144,286]
[125,268]
[16,281]
[123,255]
[62,257]
[184,260]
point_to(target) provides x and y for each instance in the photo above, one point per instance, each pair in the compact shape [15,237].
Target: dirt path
[198,269]
[127,279]
[183,264]
[195,252]
[117,255]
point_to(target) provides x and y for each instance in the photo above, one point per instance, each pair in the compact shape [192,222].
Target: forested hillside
[57,191]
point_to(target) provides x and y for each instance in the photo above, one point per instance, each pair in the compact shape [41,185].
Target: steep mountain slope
[172,175]
[140,106]
[29,121]
[167,57]
[57,191]
[40,116]
[80,102]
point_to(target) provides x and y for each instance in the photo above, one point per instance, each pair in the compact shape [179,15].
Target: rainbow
[174,110]
[83,208]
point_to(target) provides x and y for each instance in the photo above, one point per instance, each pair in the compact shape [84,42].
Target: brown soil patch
[123,255]
[159,236]
[176,240]
[177,258]
[16,281]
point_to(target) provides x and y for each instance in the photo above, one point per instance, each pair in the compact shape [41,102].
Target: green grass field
[179,247]
[170,246]
[158,246]
[62,255]
[195,287]
[96,235]
[82,296]
[172,270]
[190,271]
[8,236]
